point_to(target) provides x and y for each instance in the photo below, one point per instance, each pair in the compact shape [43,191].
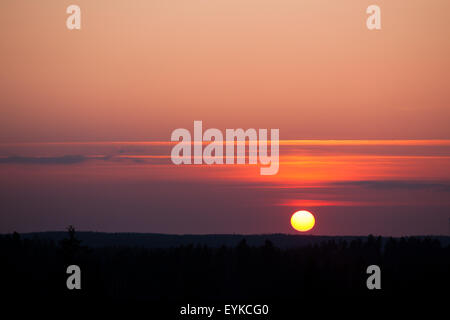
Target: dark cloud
[73,159]
[67,159]
[141,160]
[398,184]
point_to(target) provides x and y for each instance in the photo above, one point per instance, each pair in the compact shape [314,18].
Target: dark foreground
[198,274]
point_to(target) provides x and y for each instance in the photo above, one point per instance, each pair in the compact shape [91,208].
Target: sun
[302,221]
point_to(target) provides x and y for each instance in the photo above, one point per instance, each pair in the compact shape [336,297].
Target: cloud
[398,184]
[73,159]
[66,159]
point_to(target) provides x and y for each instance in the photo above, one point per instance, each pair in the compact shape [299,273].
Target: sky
[87,115]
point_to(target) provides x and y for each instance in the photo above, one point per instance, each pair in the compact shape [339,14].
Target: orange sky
[139,69]
[389,187]
[87,115]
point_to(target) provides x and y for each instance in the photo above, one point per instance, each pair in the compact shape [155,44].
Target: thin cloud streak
[68,159]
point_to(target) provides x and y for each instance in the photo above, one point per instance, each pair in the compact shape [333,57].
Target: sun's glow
[302,221]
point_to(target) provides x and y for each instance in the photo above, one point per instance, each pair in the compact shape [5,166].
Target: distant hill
[155,240]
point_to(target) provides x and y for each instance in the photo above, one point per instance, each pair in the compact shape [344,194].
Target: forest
[37,268]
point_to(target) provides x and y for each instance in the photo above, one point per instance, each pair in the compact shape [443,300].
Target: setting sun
[302,221]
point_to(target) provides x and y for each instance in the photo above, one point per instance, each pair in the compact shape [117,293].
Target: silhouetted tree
[71,245]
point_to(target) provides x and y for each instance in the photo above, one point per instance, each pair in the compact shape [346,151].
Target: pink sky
[139,69]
